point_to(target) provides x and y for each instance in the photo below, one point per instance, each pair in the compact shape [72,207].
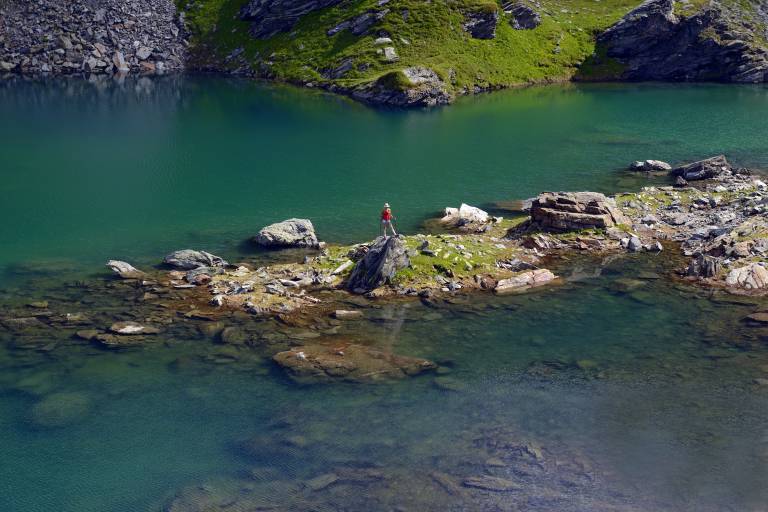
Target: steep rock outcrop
[720,42]
[385,257]
[522,16]
[92,36]
[481,24]
[270,17]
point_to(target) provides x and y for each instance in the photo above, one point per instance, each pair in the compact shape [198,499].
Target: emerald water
[615,391]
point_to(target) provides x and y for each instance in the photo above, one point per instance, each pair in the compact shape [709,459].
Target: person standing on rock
[386,220]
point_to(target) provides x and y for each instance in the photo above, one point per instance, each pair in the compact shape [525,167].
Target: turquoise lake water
[639,392]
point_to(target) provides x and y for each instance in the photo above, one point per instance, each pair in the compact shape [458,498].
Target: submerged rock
[703,169]
[491,483]
[189,259]
[60,409]
[354,363]
[288,233]
[125,270]
[524,280]
[385,257]
[571,211]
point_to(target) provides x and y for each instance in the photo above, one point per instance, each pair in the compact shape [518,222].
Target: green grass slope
[430,35]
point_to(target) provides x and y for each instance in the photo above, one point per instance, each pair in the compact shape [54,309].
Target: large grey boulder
[385,257]
[270,17]
[704,169]
[189,259]
[288,233]
[571,211]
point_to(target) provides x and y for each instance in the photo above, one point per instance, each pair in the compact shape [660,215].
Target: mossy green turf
[430,35]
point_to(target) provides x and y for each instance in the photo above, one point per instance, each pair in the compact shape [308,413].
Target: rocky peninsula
[712,220]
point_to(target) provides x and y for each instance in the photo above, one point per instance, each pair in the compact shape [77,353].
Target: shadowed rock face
[522,16]
[270,17]
[720,43]
[385,257]
[569,211]
[481,25]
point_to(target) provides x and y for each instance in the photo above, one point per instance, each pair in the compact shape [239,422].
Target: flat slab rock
[349,362]
[570,211]
[525,280]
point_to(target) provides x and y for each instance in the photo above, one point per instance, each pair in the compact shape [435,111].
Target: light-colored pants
[387,224]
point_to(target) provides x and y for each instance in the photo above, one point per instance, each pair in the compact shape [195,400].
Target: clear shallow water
[645,387]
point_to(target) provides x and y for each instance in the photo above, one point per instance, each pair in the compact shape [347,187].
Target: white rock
[383,40]
[751,277]
[390,54]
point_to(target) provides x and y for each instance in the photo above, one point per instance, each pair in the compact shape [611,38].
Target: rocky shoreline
[110,37]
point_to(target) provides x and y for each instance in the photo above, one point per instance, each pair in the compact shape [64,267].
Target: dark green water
[643,386]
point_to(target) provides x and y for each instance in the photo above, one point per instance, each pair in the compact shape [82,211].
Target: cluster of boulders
[659,41]
[91,36]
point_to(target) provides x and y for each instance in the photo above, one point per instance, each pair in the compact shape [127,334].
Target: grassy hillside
[430,35]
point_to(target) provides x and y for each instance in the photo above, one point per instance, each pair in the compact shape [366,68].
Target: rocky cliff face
[93,36]
[270,17]
[664,40]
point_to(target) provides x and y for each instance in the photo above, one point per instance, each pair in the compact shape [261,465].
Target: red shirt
[386,214]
